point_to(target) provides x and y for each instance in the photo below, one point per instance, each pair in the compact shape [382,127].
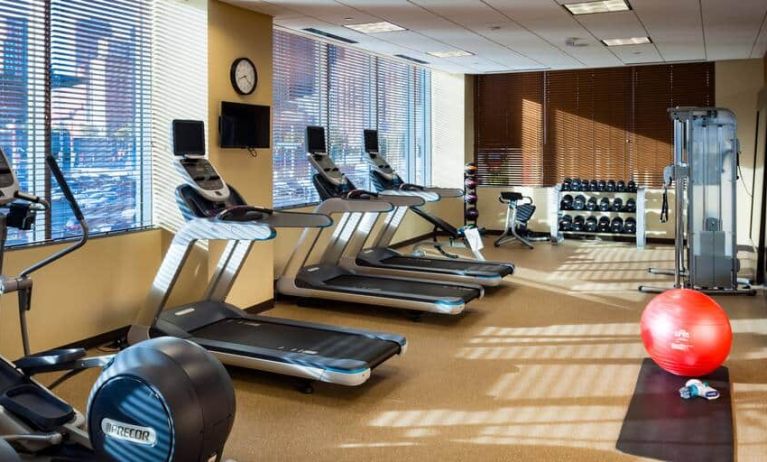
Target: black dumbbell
[602,185]
[616,225]
[566,203]
[604,225]
[620,186]
[592,204]
[610,186]
[631,206]
[604,204]
[579,202]
[631,186]
[577,185]
[593,185]
[567,185]
[630,226]
[591,224]
[578,223]
[617,205]
[566,223]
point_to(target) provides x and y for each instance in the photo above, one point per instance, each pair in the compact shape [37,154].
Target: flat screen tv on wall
[244,126]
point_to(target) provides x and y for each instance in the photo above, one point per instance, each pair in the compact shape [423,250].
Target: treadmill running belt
[281,337]
[453,265]
[435,290]
[659,424]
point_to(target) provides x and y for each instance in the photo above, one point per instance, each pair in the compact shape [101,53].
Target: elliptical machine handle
[56,171]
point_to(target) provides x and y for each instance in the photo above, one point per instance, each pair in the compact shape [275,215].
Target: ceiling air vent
[328,35]
[412,59]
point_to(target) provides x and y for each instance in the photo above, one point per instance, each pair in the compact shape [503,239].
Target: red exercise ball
[686,332]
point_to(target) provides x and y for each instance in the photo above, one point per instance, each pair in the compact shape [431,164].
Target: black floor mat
[661,425]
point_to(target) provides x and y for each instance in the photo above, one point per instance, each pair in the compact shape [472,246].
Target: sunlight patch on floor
[518,415]
[564,381]
[562,342]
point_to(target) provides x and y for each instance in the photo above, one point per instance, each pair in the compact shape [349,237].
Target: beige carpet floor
[542,368]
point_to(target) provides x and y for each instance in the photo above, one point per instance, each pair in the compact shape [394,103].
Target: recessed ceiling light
[626,41]
[410,58]
[602,6]
[450,54]
[375,27]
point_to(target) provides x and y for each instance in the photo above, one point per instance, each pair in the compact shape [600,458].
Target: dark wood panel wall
[535,129]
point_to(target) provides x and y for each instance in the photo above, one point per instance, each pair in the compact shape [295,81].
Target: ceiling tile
[731,31]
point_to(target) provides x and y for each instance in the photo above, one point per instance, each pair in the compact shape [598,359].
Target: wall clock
[243,76]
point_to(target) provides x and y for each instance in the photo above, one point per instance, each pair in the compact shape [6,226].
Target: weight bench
[518,214]
[456,236]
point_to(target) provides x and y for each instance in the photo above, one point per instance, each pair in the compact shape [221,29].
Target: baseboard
[100,339]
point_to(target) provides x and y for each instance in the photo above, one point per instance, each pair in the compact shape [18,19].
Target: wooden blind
[510,145]
[538,128]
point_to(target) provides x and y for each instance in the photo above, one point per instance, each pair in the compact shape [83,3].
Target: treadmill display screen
[315,139]
[371,140]
[188,138]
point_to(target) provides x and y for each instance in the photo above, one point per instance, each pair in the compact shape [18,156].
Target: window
[88,65]
[534,129]
[346,91]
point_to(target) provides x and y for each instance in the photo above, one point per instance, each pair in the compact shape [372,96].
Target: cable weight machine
[704,176]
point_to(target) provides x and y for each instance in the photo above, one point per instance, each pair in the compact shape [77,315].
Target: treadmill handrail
[339,205]
[297,220]
[213,228]
[426,196]
[403,200]
[446,192]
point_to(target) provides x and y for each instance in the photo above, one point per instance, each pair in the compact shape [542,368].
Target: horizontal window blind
[350,108]
[346,91]
[298,96]
[179,41]
[597,123]
[88,62]
[22,99]
[100,117]
[509,111]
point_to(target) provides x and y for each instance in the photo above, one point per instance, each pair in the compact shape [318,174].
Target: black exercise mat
[661,425]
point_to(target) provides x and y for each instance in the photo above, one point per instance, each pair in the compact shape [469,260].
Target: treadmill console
[191,164]
[200,174]
[376,160]
[327,168]
[329,180]
[9,184]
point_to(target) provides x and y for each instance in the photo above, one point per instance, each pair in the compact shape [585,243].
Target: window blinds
[87,63]
[537,128]
[346,91]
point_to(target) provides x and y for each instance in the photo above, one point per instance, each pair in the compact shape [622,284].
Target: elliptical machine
[705,176]
[162,400]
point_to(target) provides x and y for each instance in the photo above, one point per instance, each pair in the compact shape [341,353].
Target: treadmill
[215,211]
[381,259]
[325,278]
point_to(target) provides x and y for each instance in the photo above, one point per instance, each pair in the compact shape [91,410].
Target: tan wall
[94,290]
[232,33]
[737,87]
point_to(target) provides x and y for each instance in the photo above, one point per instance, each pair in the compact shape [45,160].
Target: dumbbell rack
[555,213]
